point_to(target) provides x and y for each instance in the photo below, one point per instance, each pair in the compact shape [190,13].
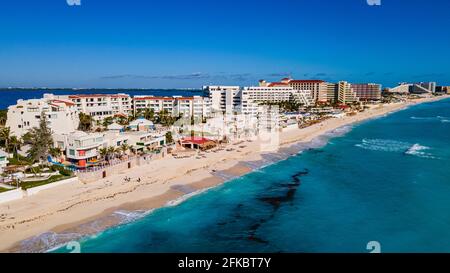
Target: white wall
[19,193]
[35,190]
[11,195]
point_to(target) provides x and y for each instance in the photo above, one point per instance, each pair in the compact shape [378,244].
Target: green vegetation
[149,114]
[3,117]
[41,140]
[32,184]
[169,138]
[166,119]
[285,106]
[5,136]
[108,121]
[19,160]
[55,151]
[4,189]
[86,122]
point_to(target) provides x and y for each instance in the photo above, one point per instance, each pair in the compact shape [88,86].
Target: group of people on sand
[128,179]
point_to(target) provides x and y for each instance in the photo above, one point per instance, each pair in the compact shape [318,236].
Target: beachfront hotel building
[224,99]
[346,94]
[195,106]
[317,88]
[62,115]
[367,91]
[332,92]
[81,148]
[100,106]
[252,97]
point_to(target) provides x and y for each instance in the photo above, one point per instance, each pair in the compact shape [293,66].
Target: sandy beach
[78,209]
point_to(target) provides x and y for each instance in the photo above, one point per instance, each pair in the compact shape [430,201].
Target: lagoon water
[10,96]
[385,180]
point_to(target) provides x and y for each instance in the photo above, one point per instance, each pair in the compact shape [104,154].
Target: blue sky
[179,43]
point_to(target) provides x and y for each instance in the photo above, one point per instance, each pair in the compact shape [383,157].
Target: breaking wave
[420,151]
[436,118]
[386,145]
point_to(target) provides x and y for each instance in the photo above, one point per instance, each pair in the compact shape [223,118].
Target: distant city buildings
[414,88]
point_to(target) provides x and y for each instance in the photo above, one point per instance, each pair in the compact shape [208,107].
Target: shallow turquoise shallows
[386,180]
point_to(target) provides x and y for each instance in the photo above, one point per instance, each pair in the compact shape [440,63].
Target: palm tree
[55,152]
[124,148]
[111,152]
[3,117]
[5,136]
[122,121]
[149,114]
[103,153]
[107,121]
[14,145]
[85,122]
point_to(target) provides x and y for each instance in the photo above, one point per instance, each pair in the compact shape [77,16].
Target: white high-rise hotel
[229,99]
[195,106]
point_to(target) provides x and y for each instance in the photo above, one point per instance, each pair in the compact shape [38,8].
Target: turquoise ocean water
[385,180]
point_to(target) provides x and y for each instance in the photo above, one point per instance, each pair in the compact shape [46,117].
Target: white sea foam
[129,216]
[183,198]
[419,150]
[385,145]
[436,118]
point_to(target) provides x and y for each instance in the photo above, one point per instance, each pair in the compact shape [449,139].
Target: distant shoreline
[103,89]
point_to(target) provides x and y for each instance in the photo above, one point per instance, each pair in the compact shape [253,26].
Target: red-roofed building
[197,143]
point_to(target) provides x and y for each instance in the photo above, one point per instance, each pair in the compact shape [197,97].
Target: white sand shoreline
[68,208]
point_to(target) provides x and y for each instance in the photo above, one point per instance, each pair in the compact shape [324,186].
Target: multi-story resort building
[140,103]
[3,160]
[318,88]
[321,91]
[251,97]
[367,91]
[196,106]
[332,92]
[101,106]
[229,99]
[345,93]
[224,99]
[62,115]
